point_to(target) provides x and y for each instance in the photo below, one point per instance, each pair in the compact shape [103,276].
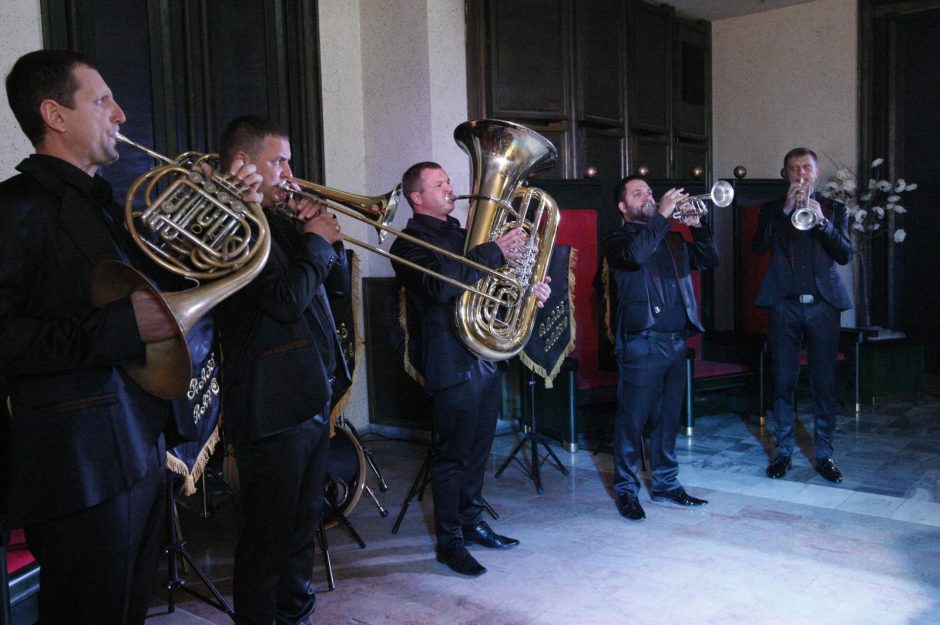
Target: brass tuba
[496,318]
[195,227]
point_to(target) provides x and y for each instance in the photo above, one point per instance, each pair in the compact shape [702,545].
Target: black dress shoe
[630,508]
[459,560]
[483,534]
[779,467]
[827,468]
[677,497]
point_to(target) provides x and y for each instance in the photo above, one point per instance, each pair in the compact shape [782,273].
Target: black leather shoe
[630,508]
[677,497]
[459,560]
[779,467]
[483,534]
[827,468]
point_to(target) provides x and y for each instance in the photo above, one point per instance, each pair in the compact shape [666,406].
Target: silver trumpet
[720,195]
[803,217]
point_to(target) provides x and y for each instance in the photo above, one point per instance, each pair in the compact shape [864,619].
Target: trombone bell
[379,210]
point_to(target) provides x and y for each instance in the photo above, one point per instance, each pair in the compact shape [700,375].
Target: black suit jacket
[82,430]
[628,252]
[775,233]
[274,374]
[441,357]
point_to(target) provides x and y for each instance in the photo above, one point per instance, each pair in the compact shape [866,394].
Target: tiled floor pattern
[789,552]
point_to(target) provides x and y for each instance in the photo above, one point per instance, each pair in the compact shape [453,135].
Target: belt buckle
[807,299]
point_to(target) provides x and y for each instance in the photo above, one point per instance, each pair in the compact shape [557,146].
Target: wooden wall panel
[182,70]
[529,54]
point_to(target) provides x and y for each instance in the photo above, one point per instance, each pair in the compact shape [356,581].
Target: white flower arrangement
[867,208]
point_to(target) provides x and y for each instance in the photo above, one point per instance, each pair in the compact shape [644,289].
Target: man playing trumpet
[803,296]
[652,309]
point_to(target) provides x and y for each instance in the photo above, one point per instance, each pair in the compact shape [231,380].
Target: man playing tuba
[464,387]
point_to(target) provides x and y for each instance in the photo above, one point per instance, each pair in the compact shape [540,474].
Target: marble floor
[776,552]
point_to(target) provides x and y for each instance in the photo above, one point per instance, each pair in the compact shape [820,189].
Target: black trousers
[465,422]
[789,322]
[650,390]
[99,565]
[282,488]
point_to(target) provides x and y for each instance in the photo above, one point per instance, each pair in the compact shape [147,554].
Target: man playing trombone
[652,309]
[283,365]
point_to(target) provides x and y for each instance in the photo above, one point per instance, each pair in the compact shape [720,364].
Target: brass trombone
[378,211]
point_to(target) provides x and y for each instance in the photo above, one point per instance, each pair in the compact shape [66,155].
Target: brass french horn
[193,226]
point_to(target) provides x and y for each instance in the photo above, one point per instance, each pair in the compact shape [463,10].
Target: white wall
[20,32]
[394,89]
[782,79]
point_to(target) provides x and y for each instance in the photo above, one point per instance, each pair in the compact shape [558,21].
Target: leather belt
[672,336]
[805,298]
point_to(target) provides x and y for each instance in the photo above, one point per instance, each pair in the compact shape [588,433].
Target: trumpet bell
[722,193]
[803,219]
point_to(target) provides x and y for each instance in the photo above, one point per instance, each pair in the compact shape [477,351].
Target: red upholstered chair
[710,371]
[19,579]
[19,571]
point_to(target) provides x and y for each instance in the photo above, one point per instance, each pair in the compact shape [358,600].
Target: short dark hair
[42,75]
[411,179]
[795,152]
[246,133]
[621,187]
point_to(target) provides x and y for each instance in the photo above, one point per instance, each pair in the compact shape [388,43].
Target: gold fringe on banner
[410,369]
[190,478]
[355,294]
[549,376]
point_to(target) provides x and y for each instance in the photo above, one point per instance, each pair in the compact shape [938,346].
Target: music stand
[533,439]
[176,549]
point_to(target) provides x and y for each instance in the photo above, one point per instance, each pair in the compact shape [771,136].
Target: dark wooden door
[182,70]
[901,78]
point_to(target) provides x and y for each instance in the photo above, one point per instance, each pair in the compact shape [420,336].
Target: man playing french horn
[652,309]
[88,481]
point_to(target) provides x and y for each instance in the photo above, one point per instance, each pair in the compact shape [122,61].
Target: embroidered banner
[202,403]
[553,336]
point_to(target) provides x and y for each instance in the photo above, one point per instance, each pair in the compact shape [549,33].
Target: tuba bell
[193,226]
[496,318]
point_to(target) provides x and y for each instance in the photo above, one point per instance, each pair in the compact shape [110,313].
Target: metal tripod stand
[175,550]
[421,481]
[533,439]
